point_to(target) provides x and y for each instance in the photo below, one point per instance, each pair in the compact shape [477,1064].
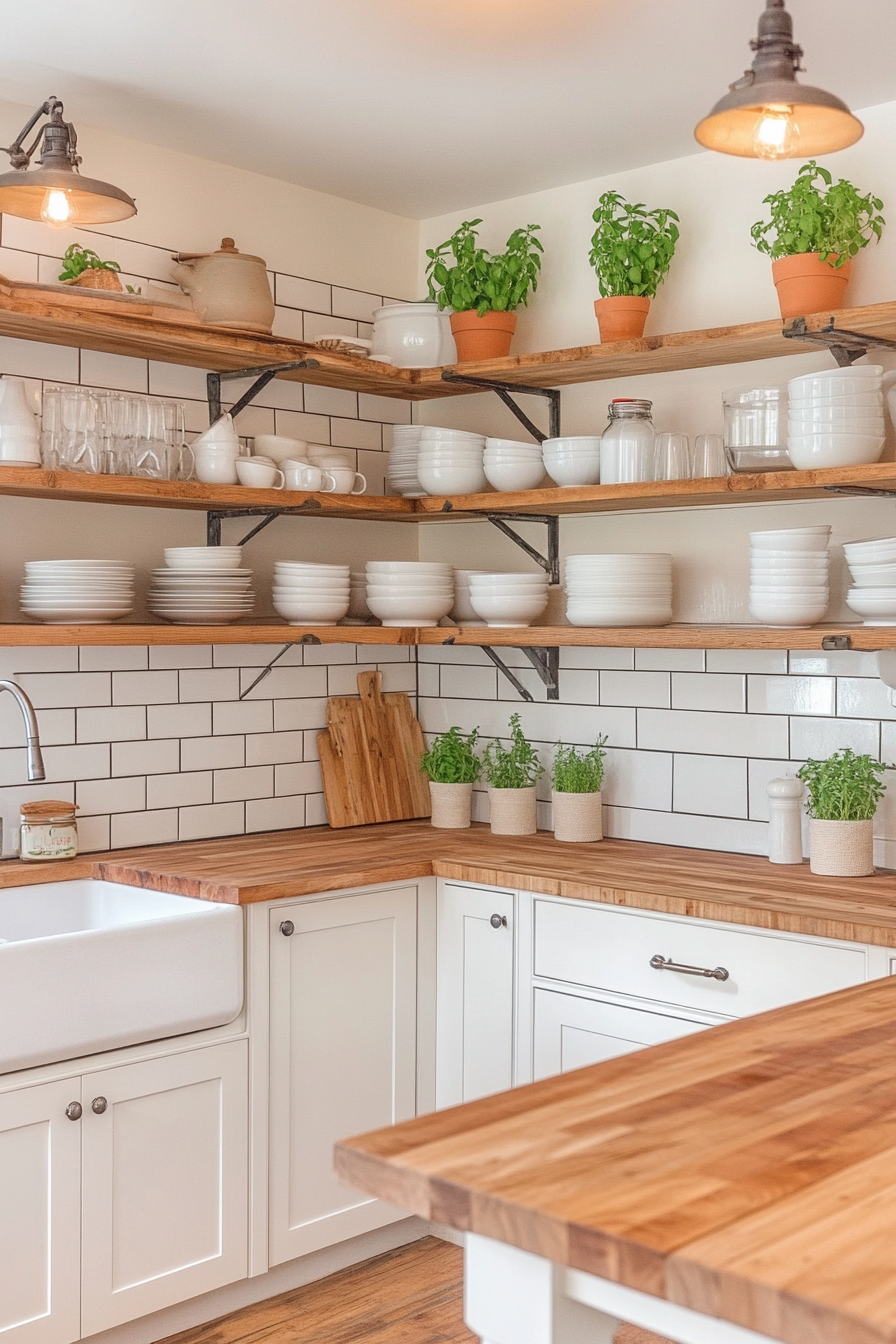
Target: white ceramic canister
[48,831]
[785,820]
[228,288]
[413,335]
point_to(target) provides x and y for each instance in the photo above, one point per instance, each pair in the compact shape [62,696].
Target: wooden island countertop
[706,884]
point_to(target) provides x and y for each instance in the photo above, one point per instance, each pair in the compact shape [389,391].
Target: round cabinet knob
[73,1110]
[287,928]
[498,921]
[98,1105]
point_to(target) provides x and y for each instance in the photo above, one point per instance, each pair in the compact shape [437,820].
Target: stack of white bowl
[409,592]
[789,575]
[462,612]
[619,589]
[310,594]
[215,453]
[508,600]
[358,609]
[836,417]
[873,568]
[201,585]
[512,465]
[450,461]
[573,460]
[401,473]
[91,592]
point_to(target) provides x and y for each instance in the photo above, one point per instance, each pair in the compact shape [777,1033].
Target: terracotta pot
[577,816]
[512,811]
[806,284]
[451,805]
[621,319]
[841,848]
[93,279]
[486,337]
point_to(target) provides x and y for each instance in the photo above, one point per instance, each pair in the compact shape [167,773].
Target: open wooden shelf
[152,331]
[31,635]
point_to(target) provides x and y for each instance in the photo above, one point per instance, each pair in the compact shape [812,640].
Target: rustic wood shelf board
[122,635]
[661,636]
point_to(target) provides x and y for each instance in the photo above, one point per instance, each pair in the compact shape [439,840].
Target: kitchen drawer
[570,1032]
[608,948]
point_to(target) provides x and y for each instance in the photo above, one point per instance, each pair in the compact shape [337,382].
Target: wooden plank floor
[413,1295]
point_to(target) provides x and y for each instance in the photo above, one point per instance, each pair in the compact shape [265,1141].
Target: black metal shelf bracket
[262,376]
[846,346]
[882,492]
[546,662]
[503,390]
[214,518]
[549,563]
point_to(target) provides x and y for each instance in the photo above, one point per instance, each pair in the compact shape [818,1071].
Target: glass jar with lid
[628,444]
[49,830]
[756,429]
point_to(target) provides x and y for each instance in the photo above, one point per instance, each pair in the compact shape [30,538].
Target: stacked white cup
[608,590]
[789,575]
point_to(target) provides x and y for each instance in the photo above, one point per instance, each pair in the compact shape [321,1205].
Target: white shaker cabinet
[343,1038]
[475,993]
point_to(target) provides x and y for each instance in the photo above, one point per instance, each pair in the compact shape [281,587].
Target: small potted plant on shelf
[576,780]
[631,251]
[482,289]
[511,774]
[81,266]
[844,791]
[815,230]
[453,768]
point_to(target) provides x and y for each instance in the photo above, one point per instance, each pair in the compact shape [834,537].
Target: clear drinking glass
[709,457]
[673,459]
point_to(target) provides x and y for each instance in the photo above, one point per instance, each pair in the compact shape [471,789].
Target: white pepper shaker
[785,825]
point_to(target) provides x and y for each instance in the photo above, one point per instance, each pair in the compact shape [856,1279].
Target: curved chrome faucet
[35,760]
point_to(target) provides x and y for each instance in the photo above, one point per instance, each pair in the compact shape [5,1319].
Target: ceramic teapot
[228,288]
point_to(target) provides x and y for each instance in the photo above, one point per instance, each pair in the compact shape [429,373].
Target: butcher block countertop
[748,1172]
[737,888]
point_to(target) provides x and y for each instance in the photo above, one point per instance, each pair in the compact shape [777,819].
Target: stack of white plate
[358,609]
[462,612]
[789,575]
[409,592]
[836,417]
[512,465]
[401,473]
[574,460]
[508,600]
[619,589]
[873,568]
[309,594]
[201,585]
[91,592]
[450,461]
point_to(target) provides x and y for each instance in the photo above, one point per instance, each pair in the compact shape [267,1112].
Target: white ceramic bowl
[515,476]
[508,610]
[589,613]
[873,576]
[836,450]
[409,610]
[837,382]
[203,557]
[513,445]
[278,447]
[794,613]
[792,539]
[589,442]
[568,475]
[452,480]
[306,609]
[861,601]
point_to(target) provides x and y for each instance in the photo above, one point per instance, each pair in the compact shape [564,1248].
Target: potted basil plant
[631,251]
[453,768]
[844,791]
[483,289]
[576,780]
[512,773]
[81,266]
[816,228]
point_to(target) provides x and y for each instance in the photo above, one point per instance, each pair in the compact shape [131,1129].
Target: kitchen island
[739,1185]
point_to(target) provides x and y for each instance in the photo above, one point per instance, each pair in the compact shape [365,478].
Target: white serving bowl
[203,557]
[792,539]
[515,476]
[510,577]
[405,611]
[834,417]
[813,451]
[513,445]
[877,550]
[857,600]
[506,610]
[312,581]
[411,593]
[567,475]
[794,613]
[596,614]
[837,382]
[873,576]
[573,441]
[452,480]
[318,613]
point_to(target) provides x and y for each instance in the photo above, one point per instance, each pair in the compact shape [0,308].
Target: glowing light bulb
[777,135]
[57,209]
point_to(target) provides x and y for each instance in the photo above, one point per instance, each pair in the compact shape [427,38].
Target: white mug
[215,468]
[305,476]
[261,475]
[346,480]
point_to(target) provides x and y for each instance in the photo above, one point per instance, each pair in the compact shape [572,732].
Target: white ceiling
[420,106]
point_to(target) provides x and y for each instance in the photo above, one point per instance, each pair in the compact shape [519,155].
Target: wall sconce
[56,192]
[767,114]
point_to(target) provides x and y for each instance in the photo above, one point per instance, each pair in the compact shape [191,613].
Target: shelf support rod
[262,376]
[546,662]
[503,668]
[550,563]
[215,516]
[503,390]
[860,490]
[846,346]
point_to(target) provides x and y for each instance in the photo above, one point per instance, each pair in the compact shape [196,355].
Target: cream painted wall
[188,203]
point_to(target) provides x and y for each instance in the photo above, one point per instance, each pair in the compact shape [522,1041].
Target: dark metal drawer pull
[662,964]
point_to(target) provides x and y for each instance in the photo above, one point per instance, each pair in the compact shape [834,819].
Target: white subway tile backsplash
[121,724]
[688,831]
[331,401]
[108,795]
[318,325]
[125,659]
[715,786]
[544,723]
[670,660]
[309,746]
[301,425]
[144,828]
[94,833]
[119,372]
[220,683]
[144,688]
[178,720]
[613,660]
[176,380]
[746,660]
[863,698]
[290,714]
[80,762]
[157,757]
[365,434]
[709,690]
[843,663]
[469,683]
[55,725]
[385,409]
[212,753]
[33,359]
[256,781]
[791,695]
[242,716]
[638,779]
[635,688]
[297,778]
[355,304]
[60,690]
[16,265]
[162,656]
[183,789]
[821,737]
[199,823]
[257,655]
[285,683]
[696,732]
[289,323]
[15,661]
[315,809]
[272,748]
[276,814]
[307,294]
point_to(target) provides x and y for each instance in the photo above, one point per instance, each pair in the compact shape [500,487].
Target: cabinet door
[570,1033]
[343,1056]
[474,1035]
[165,1170]
[40,1201]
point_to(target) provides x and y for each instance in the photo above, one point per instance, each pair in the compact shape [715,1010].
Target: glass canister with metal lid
[49,830]
[628,444]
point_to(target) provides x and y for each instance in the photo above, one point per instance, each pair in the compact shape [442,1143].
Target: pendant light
[767,114]
[56,192]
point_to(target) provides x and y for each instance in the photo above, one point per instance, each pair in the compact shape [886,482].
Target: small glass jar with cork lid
[49,830]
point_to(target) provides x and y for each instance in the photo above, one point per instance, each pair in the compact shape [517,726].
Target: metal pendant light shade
[55,192]
[768,113]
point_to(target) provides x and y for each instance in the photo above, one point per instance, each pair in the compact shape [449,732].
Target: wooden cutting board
[370,757]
